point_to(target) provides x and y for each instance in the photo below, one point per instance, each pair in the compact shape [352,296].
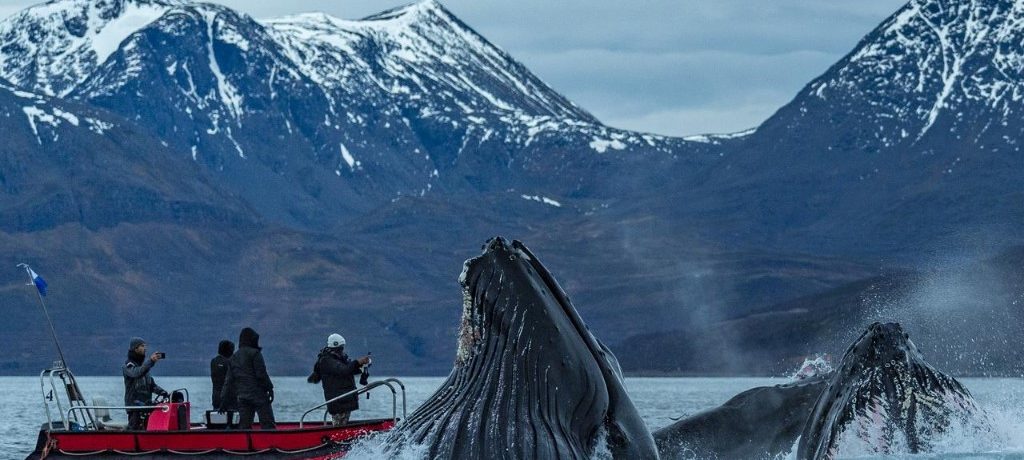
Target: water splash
[991,432]
[819,364]
[376,447]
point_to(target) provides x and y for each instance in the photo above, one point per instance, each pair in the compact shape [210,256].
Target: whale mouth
[884,398]
[529,377]
[498,252]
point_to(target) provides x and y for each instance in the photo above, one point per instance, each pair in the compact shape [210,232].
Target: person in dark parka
[219,371]
[139,385]
[247,379]
[336,372]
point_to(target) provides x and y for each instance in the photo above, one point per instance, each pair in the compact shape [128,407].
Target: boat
[75,429]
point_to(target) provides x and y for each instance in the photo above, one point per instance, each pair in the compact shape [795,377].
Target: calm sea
[657,399]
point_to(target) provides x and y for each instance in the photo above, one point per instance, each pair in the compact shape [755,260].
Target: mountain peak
[425,9]
[52,46]
[419,52]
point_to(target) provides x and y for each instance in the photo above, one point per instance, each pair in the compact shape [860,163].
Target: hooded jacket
[139,386]
[219,372]
[336,372]
[247,374]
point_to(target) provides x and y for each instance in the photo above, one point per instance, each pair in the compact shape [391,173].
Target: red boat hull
[314,440]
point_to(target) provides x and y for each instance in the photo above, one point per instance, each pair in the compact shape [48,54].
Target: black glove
[270,394]
[164,394]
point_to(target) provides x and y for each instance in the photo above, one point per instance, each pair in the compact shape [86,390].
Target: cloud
[697,120]
[627,89]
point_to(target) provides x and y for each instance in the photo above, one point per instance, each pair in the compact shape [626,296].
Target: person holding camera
[336,372]
[139,385]
[247,379]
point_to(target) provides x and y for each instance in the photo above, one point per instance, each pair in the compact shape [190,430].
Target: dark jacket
[247,372]
[219,372]
[139,386]
[336,372]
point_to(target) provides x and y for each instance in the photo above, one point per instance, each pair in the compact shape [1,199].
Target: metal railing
[386,382]
[71,393]
[163,408]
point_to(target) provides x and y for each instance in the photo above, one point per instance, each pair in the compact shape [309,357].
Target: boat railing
[67,387]
[390,382]
[90,410]
[162,408]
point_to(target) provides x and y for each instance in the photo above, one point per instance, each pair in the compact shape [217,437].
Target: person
[336,372]
[247,379]
[139,385]
[219,371]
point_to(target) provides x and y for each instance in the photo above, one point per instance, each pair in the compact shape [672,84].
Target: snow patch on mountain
[39,114]
[602,145]
[229,96]
[542,199]
[954,62]
[349,159]
[110,35]
[51,47]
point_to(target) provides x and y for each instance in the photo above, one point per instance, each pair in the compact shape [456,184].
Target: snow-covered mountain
[911,138]
[339,115]
[423,53]
[950,66]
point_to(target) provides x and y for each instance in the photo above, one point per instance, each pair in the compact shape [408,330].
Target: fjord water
[657,399]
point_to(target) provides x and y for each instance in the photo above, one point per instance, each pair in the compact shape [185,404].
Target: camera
[161,355]
[363,379]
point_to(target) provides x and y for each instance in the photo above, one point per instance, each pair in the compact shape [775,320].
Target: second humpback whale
[883,398]
[886,396]
[529,380]
[759,423]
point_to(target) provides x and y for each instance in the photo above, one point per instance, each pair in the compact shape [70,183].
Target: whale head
[529,379]
[885,396]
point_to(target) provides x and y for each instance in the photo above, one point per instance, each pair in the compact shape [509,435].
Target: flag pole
[53,332]
[70,384]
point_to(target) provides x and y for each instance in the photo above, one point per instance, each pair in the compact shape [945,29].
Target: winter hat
[226,348]
[134,343]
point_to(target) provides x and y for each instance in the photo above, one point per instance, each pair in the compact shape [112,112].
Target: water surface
[657,399]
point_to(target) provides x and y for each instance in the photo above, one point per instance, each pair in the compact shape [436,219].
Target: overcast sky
[672,67]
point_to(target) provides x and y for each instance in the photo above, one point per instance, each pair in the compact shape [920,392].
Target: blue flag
[39,281]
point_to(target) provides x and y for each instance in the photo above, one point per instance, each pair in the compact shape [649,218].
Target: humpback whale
[529,379]
[884,394]
[762,422]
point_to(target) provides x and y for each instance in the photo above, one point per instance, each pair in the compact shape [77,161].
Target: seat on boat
[102,417]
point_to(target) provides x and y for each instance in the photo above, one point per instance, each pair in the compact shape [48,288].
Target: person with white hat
[336,372]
